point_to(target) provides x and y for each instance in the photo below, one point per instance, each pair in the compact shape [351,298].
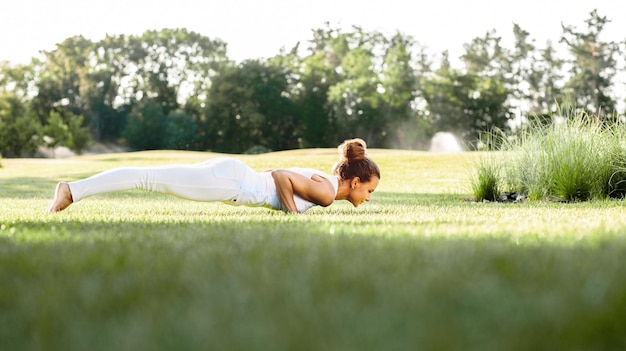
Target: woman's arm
[315,189]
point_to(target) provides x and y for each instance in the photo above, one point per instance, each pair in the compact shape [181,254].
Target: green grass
[418,268]
[575,158]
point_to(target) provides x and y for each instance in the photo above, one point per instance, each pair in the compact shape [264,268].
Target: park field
[420,267]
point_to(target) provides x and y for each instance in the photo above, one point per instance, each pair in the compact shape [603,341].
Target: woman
[225,179]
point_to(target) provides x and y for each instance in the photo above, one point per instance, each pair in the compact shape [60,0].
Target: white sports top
[261,191]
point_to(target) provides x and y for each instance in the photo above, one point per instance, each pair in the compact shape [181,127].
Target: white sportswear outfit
[219,179]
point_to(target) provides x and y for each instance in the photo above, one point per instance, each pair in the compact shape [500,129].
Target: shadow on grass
[26,187]
[407,199]
[32,187]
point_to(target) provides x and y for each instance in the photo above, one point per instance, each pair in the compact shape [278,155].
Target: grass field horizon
[419,267]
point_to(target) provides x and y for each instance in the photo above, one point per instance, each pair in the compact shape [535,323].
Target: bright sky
[255,28]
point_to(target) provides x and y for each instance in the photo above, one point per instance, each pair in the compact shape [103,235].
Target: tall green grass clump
[486,182]
[575,157]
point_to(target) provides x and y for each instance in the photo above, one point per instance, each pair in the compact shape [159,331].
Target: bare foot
[62,198]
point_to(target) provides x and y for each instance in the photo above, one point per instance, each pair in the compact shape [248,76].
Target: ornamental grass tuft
[574,157]
[485,184]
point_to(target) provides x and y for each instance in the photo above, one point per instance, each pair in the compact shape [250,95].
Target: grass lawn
[418,268]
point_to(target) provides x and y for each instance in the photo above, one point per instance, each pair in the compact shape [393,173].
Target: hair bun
[352,150]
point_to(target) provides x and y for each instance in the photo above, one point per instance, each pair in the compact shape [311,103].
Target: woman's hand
[316,189]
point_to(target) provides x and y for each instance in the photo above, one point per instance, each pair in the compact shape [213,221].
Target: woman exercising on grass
[225,179]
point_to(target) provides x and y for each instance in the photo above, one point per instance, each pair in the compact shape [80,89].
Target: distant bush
[20,129]
[577,157]
[146,127]
[149,128]
[181,132]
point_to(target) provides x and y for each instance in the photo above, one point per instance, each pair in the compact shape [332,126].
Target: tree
[102,81]
[471,102]
[399,85]
[65,131]
[313,76]
[62,78]
[147,127]
[169,65]
[359,83]
[592,68]
[19,80]
[547,78]
[466,104]
[536,77]
[56,132]
[524,89]
[356,98]
[181,131]
[485,57]
[20,130]
[105,109]
[248,106]
[375,85]
[60,100]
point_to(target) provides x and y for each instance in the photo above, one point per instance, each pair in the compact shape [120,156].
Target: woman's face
[360,191]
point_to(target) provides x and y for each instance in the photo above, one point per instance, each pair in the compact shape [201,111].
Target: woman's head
[353,161]
[360,171]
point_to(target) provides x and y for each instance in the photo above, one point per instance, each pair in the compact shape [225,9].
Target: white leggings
[218,179]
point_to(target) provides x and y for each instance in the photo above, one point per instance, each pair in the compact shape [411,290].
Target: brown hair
[353,161]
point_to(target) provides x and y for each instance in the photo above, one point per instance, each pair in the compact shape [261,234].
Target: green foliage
[486,182]
[68,131]
[56,131]
[374,92]
[575,158]
[383,88]
[147,126]
[399,77]
[318,125]
[63,78]
[355,98]
[594,68]
[465,104]
[19,128]
[80,137]
[21,131]
[485,57]
[248,106]
[181,131]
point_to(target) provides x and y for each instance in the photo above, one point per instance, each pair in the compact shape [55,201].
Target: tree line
[178,89]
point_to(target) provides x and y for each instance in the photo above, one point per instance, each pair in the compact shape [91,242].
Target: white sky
[259,28]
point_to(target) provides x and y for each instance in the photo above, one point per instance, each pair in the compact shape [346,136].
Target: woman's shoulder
[309,172]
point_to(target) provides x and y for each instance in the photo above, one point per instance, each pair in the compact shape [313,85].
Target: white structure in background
[444,142]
